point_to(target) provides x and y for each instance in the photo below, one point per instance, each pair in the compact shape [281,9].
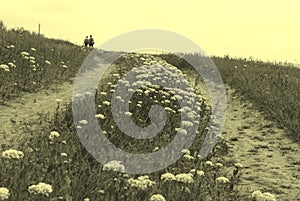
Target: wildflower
[219,165]
[34,83]
[12,154]
[64,154]
[209,163]
[4,66]
[106,103]
[47,62]
[186,151]
[259,196]
[181,131]
[86,199]
[83,122]
[32,62]
[129,114]
[12,65]
[103,93]
[58,100]
[101,191]
[53,135]
[40,188]
[24,54]
[64,142]
[167,177]
[100,116]
[156,149]
[189,157]
[222,180]
[157,197]
[64,66]
[32,58]
[79,127]
[184,178]
[33,49]
[4,193]
[114,166]
[142,182]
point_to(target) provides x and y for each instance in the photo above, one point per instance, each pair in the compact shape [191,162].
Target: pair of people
[89,41]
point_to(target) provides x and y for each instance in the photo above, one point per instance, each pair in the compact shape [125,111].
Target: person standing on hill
[86,41]
[91,41]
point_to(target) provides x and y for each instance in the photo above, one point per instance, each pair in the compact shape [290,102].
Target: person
[91,42]
[86,41]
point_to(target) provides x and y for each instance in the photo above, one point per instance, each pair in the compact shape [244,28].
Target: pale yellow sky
[263,29]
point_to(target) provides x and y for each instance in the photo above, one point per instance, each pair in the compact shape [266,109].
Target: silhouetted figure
[86,41]
[91,42]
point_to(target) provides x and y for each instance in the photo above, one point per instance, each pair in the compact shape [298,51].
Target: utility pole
[39,29]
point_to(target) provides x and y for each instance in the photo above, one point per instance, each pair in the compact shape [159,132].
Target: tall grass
[274,88]
[30,62]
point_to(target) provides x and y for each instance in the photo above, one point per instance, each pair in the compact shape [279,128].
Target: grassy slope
[33,72]
[272,87]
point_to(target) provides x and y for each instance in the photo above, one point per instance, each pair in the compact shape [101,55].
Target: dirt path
[271,160]
[27,107]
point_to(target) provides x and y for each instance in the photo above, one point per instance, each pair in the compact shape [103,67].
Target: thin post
[39,29]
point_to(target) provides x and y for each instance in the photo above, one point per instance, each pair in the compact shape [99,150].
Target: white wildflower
[129,114]
[209,163]
[24,54]
[142,182]
[4,193]
[12,154]
[184,178]
[100,116]
[86,199]
[103,93]
[157,197]
[222,180]
[64,154]
[53,135]
[114,166]
[64,66]
[40,188]
[84,122]
[58,100]
[4,66]
[33,49]
[186,151]
[106,103]
[47,62]
[167,177]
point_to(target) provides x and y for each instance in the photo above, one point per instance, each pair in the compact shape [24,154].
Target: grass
[30,62]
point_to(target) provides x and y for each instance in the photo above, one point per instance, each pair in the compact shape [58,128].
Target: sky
[267,30]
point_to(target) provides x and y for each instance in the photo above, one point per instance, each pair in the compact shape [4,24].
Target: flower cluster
[53,135]
[142,182]
[157,197]
[186,178]
[114,166]
[167,177]
[222,180]
[12,154]
[259,196]
[4,193]
[40,188]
